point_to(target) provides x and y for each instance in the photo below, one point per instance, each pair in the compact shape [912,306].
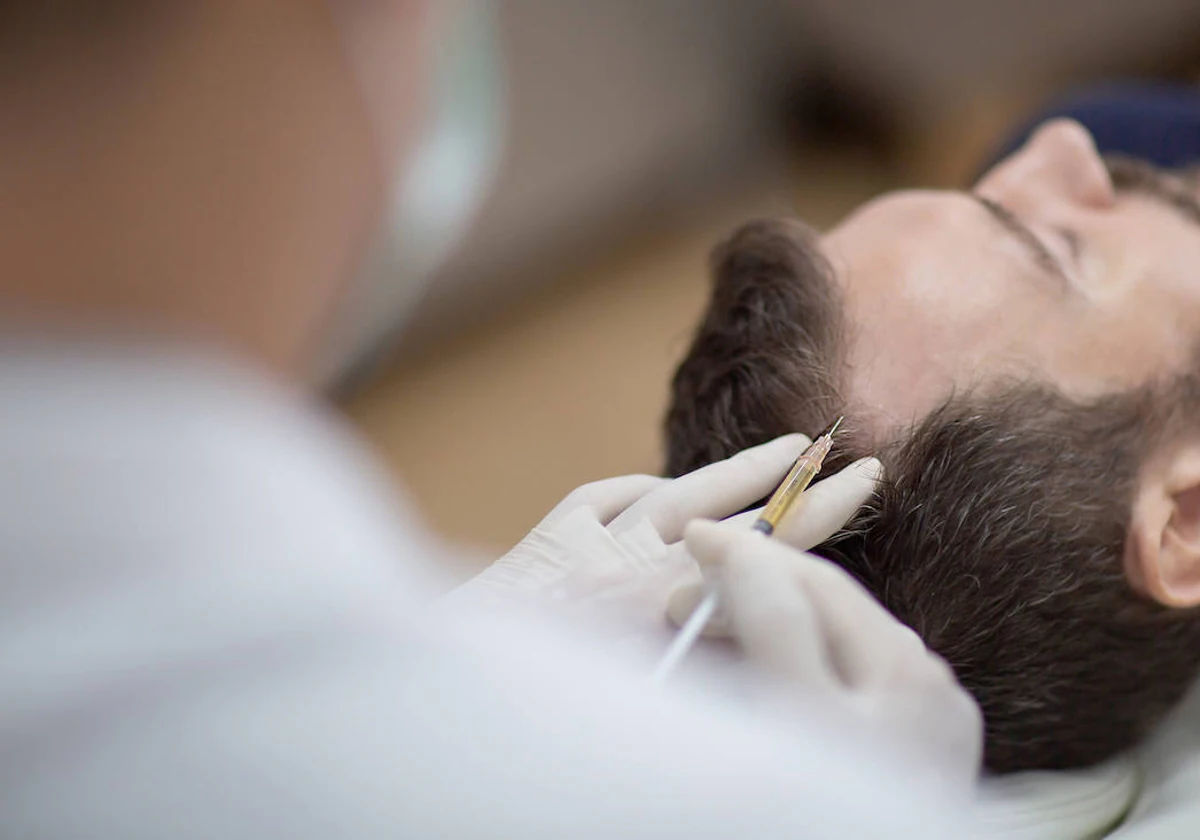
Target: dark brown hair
[999,532]
[766,357]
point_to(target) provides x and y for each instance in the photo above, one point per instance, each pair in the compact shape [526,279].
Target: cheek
[917,341]
[903,350]
[1120,342]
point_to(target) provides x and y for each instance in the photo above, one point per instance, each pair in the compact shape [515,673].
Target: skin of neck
[213,178]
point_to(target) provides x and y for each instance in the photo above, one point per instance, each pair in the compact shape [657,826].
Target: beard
[999,535]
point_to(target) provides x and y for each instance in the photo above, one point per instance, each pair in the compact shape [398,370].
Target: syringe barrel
[798,478]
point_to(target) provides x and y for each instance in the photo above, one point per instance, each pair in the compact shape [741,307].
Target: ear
[1162,553]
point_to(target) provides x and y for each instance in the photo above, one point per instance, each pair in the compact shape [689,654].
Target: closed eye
[1028,240]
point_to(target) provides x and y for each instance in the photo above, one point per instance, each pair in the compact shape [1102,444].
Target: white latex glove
[618,540]
[613,546]
[823,509]
[607,530]
[822,637]
[628,522]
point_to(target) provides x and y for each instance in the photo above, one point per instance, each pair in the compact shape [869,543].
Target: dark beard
[999,536]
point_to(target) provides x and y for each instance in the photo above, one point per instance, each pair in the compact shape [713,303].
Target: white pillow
[1074,805]
[1169,805]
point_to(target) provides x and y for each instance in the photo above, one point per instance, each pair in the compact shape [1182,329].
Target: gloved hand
[810,626]
[823,509]
[619,539]
[607,531]
[613,549]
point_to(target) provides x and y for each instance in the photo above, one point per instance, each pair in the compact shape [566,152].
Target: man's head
[204,168]
[1024,360]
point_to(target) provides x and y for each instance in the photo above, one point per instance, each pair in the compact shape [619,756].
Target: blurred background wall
[636,133]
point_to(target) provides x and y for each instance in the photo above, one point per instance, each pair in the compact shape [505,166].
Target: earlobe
[1163,550]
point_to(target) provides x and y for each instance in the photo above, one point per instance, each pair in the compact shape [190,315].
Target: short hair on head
[999,531]
[766,359]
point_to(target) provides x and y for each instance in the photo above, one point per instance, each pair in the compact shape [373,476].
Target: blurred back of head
[200,169]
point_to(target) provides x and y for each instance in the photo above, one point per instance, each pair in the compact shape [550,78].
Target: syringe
[806,468]
[798,478]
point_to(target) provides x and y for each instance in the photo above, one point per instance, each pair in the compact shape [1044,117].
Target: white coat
[213,624]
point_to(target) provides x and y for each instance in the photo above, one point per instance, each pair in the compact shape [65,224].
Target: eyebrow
[1028,240]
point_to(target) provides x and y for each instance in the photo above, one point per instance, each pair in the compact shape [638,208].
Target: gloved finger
[818,515]
[607,497]
[865,642]
[821,511]
[773,621]
[861,639]
[687,597]
[714,491]
[829,504]
[825,507]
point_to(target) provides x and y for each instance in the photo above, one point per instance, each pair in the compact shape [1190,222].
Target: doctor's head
[1025,357]
[203,168]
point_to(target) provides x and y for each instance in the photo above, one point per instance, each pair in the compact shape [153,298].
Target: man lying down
[1025,360]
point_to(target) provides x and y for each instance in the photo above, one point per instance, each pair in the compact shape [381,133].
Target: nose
[1058,163]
